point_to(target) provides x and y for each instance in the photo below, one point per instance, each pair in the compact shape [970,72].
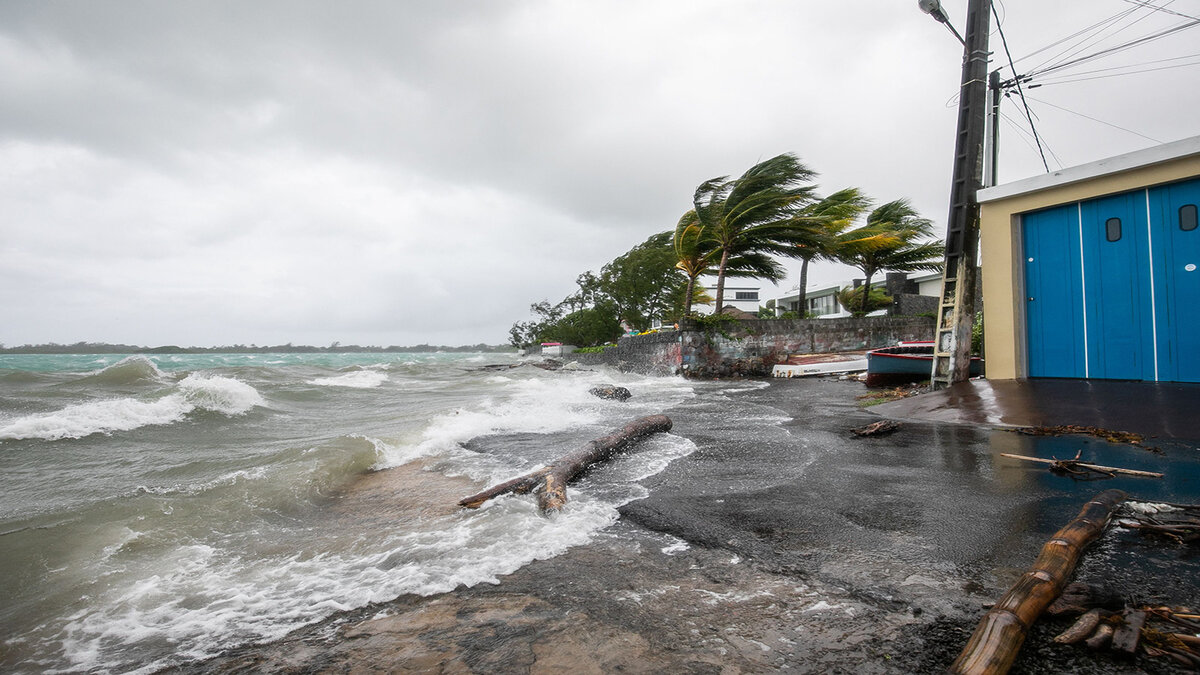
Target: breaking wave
[359,379]
[129,370]
[196,392]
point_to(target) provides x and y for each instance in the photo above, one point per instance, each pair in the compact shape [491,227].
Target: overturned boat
[806,365]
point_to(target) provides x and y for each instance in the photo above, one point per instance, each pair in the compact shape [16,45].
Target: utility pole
[992,175]
[956,306]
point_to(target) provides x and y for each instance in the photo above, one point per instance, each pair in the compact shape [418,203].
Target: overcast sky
[203,173]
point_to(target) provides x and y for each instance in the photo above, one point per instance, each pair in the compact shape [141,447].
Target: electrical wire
[1020,92]
[1102,77]
[1076,34]
[1110,124]
[1091,36]
[1112,30]
[1068,79]
[1021,131]
[1138,65]
[1113,50]
[1150,5]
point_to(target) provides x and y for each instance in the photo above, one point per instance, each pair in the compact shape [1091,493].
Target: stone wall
[907,304]
[652,354]
[752,347]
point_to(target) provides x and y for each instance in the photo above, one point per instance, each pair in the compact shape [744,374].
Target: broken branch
[1073,463]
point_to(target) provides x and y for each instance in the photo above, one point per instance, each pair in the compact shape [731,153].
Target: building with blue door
[1094,271]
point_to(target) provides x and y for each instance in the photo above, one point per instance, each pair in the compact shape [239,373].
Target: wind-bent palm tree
[697,254]
[895,238]
[831,216]
[758,213]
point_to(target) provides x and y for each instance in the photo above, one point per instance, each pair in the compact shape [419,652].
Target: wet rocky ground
[790,547]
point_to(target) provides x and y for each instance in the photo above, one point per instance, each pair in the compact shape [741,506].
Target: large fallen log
[998,638]
[550,481]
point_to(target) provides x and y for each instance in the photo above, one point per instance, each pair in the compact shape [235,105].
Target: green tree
[831,216]
[895,238]
[759,212]
[585,328]
[852,299]
[696,254]
[643,284]
[638,286]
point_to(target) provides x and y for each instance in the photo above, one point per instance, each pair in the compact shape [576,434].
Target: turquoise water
[159,509]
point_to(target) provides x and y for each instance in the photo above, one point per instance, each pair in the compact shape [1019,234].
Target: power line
[1074,35]
[1018,125]
[1020,92]
[1092,33]
[1143,63]
[1072,78]
[1074,112]
[1150,5]
[1112,50]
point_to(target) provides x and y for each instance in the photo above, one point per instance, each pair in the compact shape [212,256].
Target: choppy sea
[159,509]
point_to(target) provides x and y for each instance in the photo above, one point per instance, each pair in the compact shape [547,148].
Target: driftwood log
[1069,465]
[880,428]
[550,481]
[998,638]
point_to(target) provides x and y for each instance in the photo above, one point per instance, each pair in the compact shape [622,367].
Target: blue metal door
[1176,241]
[1112,286]
[1054,315]
[1116,286]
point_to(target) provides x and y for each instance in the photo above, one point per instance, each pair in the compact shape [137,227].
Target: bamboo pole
[551,481]
[999,636]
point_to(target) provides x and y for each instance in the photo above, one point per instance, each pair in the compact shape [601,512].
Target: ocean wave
[135,369]
[359,379]
[196,392]
[200,599]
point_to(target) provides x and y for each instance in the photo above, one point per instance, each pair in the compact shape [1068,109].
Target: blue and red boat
[906,362]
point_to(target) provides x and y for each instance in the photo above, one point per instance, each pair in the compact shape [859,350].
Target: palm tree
[758,213]
[831,215]
[697,254]
[895,238]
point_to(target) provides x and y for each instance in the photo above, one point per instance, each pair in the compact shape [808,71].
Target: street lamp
[934,8]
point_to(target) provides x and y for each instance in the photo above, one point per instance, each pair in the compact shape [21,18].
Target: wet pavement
[792,547]
[1157,409]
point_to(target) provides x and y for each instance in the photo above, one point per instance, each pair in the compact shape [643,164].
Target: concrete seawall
[751,348]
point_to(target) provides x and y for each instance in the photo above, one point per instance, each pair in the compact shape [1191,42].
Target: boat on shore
[805,365]
[906,362]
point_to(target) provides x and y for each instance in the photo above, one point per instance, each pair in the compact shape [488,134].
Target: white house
[821,300]
[737,294]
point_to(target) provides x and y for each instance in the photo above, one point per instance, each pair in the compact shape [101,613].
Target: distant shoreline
[336,348]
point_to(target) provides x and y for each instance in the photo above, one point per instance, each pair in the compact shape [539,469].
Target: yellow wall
[1002,271]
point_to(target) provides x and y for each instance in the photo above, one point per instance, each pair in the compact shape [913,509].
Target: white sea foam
[359,379]
[219,394]
[531,406]
[201,600]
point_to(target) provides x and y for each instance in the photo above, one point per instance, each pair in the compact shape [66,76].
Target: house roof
[1129,161]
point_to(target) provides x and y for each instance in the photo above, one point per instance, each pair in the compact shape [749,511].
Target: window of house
[1187,217]
[826,304]
[746,295]
[1112,229]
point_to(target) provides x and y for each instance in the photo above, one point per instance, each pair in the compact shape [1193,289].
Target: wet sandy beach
[795,548]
